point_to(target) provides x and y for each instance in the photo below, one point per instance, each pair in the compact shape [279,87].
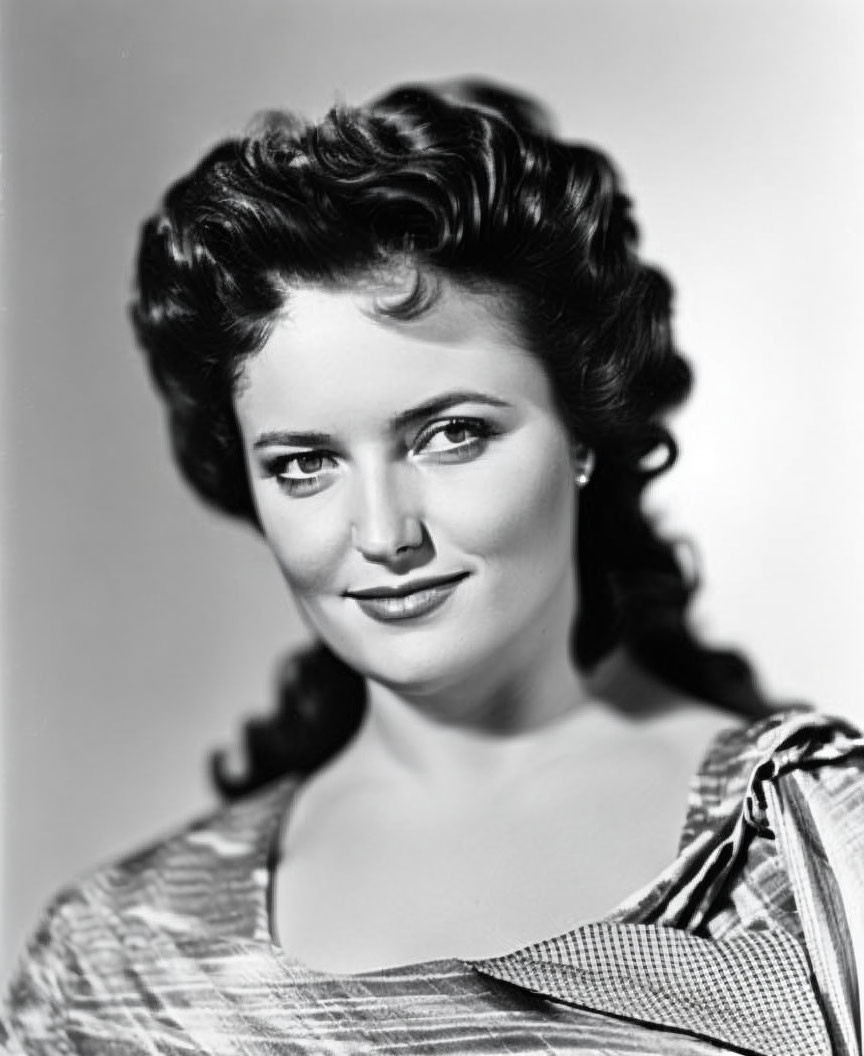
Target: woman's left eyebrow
[440,404]
[437,405]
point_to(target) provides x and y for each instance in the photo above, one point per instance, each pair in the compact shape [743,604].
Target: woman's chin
[423,656]
[410,673]
[412,667]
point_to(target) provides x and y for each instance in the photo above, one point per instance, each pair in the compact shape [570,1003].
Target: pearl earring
[586,468]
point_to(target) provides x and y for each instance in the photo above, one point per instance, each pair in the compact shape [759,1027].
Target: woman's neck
[496,720]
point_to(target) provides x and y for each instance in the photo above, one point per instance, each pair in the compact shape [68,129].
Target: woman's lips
[428,596]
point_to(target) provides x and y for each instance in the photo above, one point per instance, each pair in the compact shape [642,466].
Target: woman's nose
[386,521]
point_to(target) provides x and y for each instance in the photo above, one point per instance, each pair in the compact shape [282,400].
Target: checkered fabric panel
[752,991]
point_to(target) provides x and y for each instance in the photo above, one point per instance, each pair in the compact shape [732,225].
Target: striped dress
[744,944]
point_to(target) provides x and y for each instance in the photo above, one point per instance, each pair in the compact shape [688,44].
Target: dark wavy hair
[465,182]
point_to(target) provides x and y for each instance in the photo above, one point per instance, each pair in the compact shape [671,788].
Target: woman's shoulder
[110,934]
[781,740]
[745,758]
[206,873]
[727,746]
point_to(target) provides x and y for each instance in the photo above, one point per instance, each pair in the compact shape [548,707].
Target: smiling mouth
[409,601]
[407,588]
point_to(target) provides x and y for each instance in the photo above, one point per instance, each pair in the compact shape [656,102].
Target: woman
[413,345]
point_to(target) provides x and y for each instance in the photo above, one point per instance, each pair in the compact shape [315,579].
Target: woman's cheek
[522,500]
[308,546]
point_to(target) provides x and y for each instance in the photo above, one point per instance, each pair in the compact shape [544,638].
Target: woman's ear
[584,460]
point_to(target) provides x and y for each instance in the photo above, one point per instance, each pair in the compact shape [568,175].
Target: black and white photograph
[432,516]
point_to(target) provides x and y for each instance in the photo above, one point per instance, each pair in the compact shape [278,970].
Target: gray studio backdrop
[139,628]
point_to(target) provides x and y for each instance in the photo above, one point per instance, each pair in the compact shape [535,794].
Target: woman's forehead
[332,354]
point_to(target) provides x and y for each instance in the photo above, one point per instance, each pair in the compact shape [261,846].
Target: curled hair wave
[466,182]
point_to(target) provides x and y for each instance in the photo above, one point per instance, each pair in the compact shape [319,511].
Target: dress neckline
[286,791]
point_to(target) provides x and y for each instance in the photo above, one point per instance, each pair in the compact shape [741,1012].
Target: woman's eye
[311,463]
[455,440]
[302,473]
[456,434]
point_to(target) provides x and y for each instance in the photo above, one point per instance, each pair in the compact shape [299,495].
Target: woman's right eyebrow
[287,439]
[437,405]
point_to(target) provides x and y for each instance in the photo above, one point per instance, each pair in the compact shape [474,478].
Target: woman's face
[413,481]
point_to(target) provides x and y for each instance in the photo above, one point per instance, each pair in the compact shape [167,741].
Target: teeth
[407,604]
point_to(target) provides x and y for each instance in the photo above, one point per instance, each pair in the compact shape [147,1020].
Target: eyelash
[463,451]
